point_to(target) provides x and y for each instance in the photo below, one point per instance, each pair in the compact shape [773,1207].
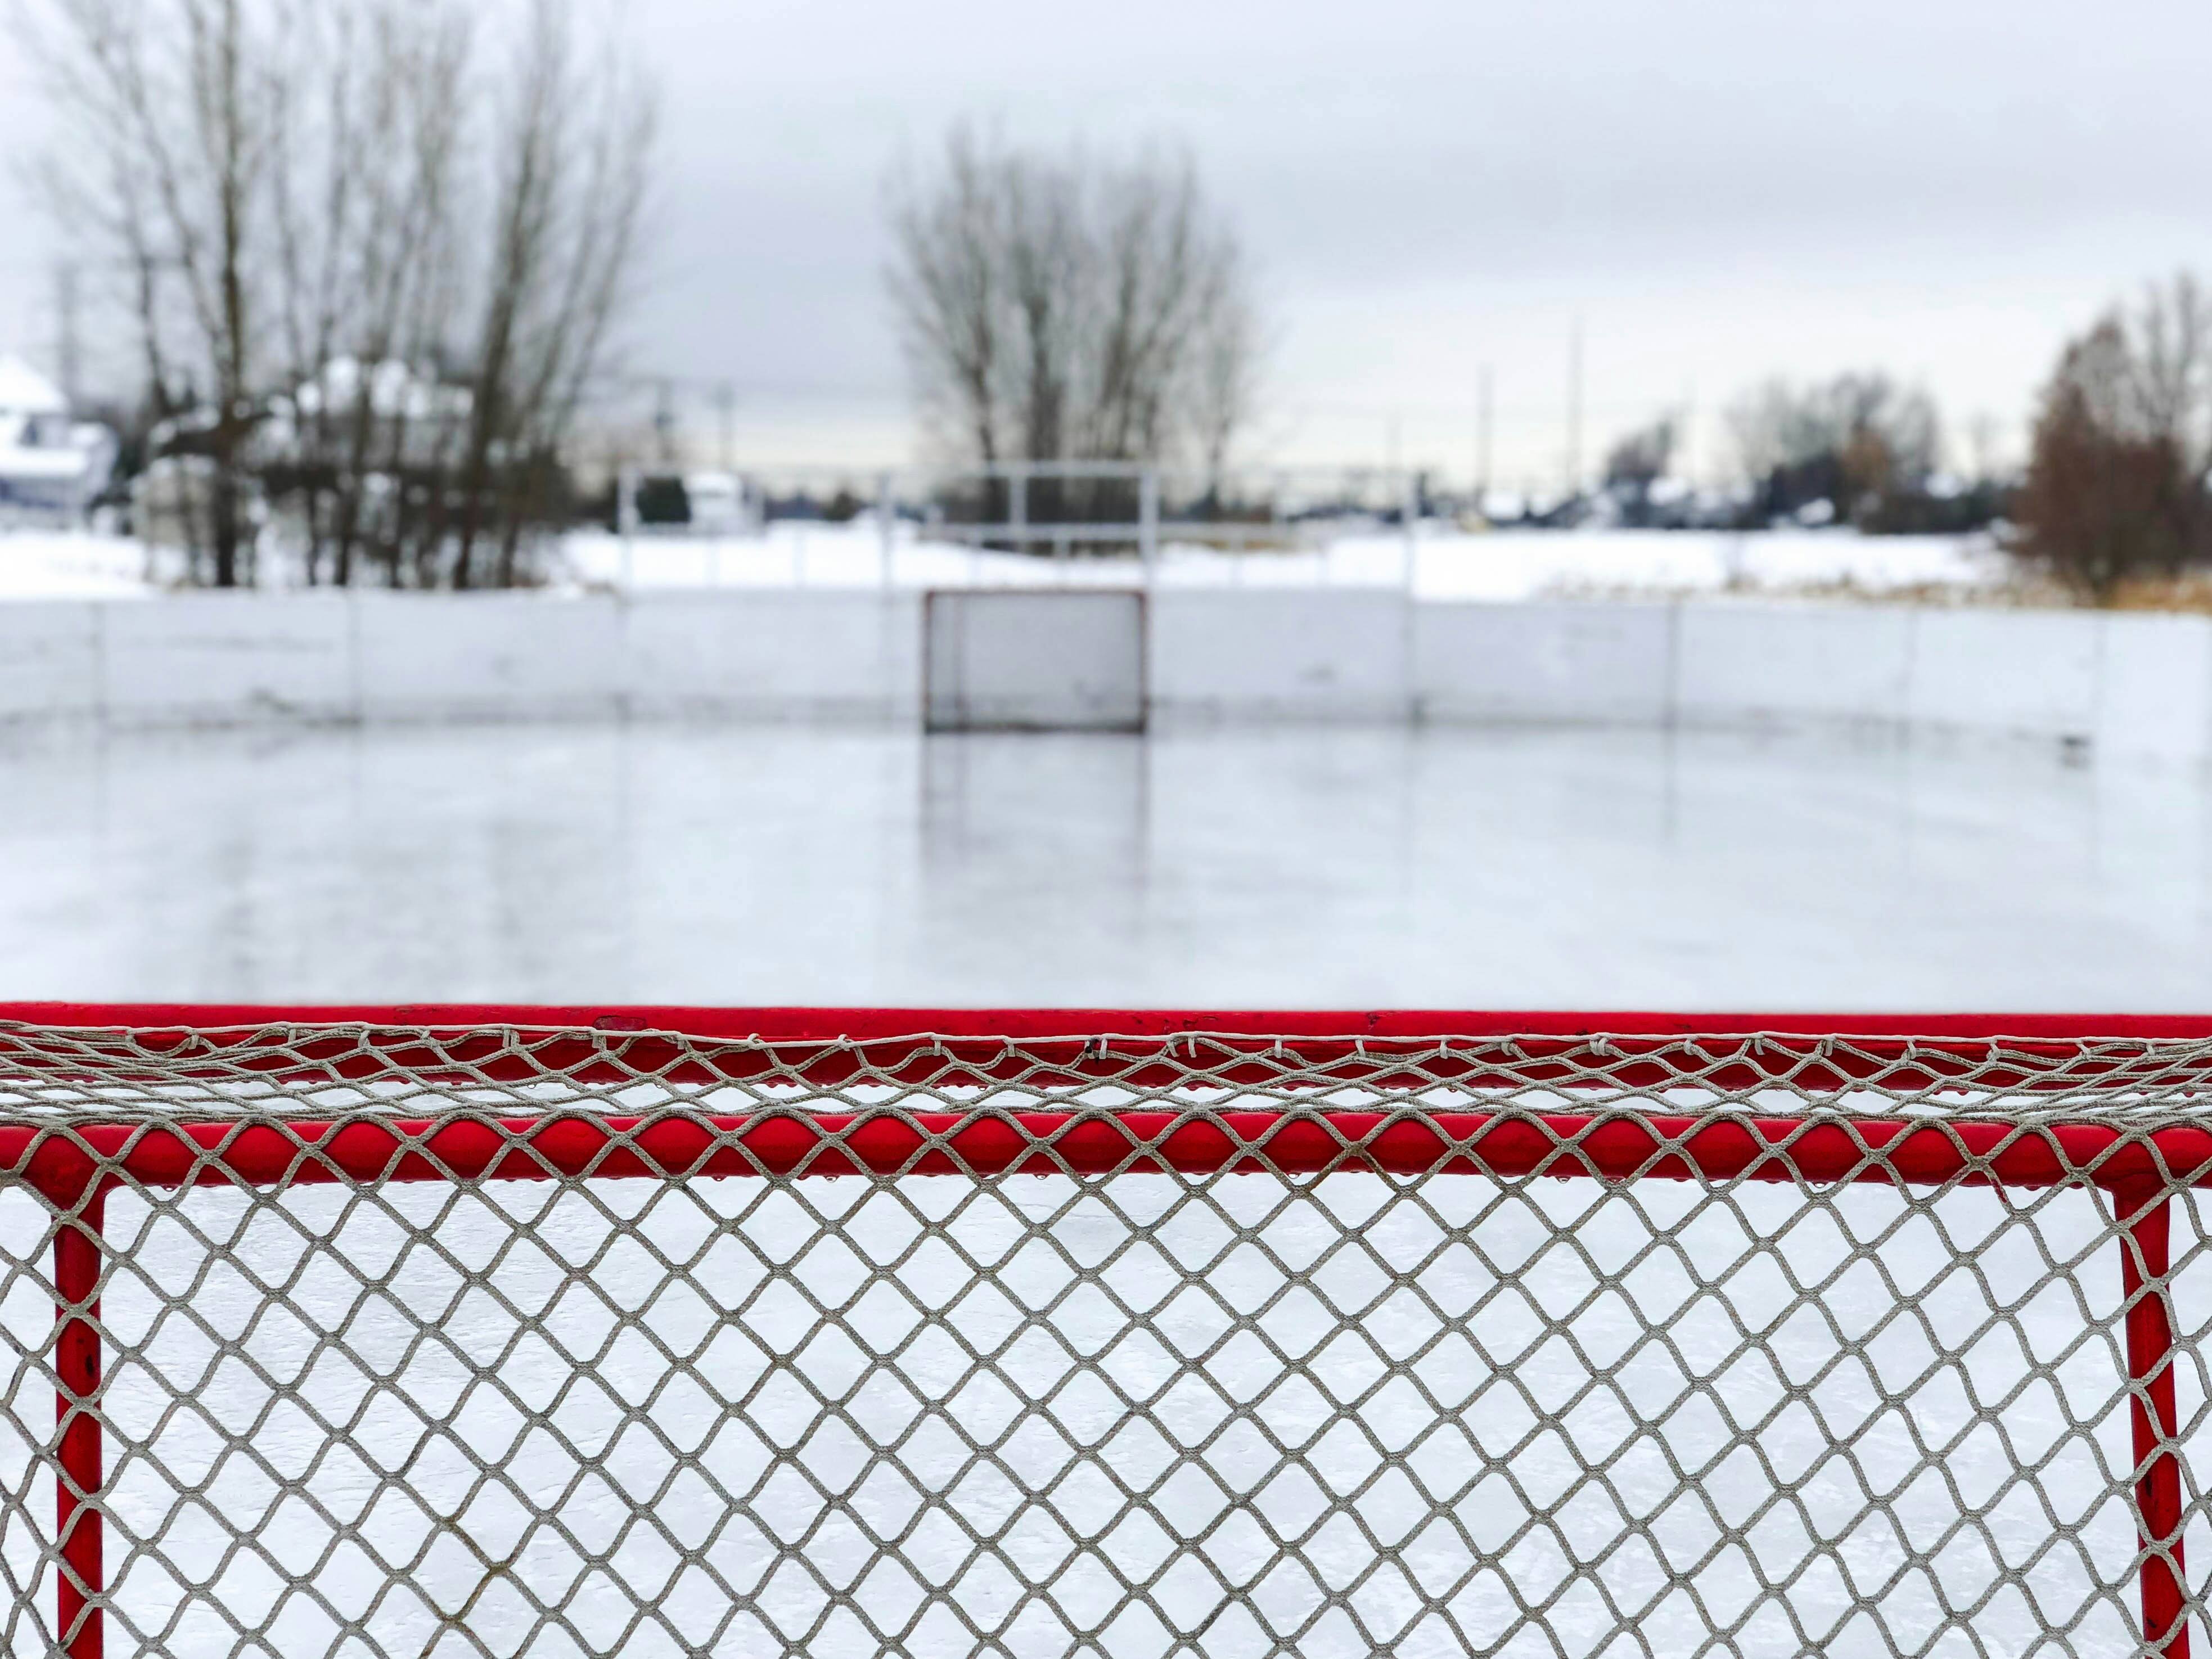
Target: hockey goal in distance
[518,1331]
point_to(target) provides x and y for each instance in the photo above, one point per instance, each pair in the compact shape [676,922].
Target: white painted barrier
[2024,673]
[2124,683]
[1545,664]
[228,658]
[50,660]
[488,656]
[775,655]
[1772,665]
[2154,686]
[1289,655]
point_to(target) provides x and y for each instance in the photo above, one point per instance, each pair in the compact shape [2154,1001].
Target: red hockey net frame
[2054,1071]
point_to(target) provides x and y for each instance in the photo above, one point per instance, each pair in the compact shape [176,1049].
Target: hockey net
[513,1332]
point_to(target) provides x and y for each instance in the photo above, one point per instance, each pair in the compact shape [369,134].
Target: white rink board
[1282,656]
[220,659]
[2126,684]
[488,656]
[1784,665]
[1547,664]
[50,661]
[774,655]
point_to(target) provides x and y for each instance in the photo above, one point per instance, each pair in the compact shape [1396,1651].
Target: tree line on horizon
[373,256]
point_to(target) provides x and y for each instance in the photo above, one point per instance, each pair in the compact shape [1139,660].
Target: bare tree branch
[1059,308]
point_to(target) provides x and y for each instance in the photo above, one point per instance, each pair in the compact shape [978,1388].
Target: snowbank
[1446,564]
[1505,565]
[68,564]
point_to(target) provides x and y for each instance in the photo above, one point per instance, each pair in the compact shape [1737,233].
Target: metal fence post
[1409,517]
[626,480]
[1148,519]
[886,509]
[2146,1215]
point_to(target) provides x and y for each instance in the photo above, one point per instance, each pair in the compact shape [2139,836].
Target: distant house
[52,465]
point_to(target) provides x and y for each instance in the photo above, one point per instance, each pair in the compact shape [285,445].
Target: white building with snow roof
[52,464]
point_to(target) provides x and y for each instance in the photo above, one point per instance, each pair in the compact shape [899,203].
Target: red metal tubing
[369,1148]
[435,1045]
[80,1578]
[2145,1261]
[787,1025]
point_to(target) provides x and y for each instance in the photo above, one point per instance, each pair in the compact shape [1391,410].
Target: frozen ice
[1374,867]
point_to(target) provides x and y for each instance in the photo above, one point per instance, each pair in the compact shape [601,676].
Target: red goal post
[2086,1134]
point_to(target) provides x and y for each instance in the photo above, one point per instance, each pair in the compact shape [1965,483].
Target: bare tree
[2170,340]
[1641,459]
[1060,307]
[1858,441]
[572,148]
[1224,384]
[949,287]
[173,111]
[395,304]
[2117,479]
[368,251]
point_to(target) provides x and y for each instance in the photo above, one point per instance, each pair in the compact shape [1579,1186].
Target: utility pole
[1685,442]
[1574,410]
[69,343]
[726,409]
[1483,432]
[664,419]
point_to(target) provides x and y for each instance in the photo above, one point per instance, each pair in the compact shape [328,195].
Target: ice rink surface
[614,1412]
[1284,867]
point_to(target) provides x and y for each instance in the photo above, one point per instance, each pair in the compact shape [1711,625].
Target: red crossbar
[800,1025]
[828,1046]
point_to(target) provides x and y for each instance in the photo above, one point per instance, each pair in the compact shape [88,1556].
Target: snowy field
[52,564]
[1443,563]
[937,1418]
[1440,562]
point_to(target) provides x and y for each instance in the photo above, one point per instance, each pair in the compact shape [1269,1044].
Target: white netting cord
[1104,1404]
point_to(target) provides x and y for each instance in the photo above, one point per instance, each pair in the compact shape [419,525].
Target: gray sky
[1722,189]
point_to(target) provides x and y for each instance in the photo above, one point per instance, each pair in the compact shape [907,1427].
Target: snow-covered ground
[1443,563]
[70,564]
[1440,562]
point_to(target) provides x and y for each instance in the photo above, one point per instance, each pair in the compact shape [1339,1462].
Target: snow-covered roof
[24,391]
[26,465]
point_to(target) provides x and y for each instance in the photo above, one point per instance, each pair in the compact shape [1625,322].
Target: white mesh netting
[504,1342]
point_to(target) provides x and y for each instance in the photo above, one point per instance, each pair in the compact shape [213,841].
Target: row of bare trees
[373,253]
[1058,307]
[1864,443]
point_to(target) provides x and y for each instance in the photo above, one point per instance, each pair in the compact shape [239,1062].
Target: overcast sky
[1722,189]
